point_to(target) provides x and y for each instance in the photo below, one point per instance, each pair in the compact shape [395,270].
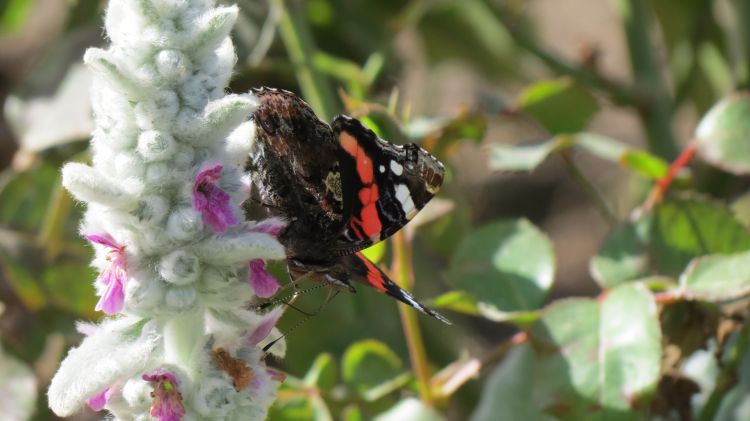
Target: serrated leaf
[717,277]
[507,267]
[721,136]
[368,364]
[598,359]
[528,157]
[623,256]
[663,241]
[559,105]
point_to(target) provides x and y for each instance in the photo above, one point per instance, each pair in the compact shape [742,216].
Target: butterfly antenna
[329,297]
[288,299]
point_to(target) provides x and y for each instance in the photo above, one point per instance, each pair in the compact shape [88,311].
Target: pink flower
[267,323]
[262,282]
[211,201]
[113,276]
[167,403]
[97,402]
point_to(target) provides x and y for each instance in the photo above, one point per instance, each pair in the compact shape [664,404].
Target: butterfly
[340,188]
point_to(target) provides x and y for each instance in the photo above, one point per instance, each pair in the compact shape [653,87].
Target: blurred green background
[468,80]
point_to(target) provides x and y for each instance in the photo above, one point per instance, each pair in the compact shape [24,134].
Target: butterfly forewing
[390,184]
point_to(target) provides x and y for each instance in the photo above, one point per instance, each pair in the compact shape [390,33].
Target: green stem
[402,270]
[656,111]
[591,191]
[618,93]
[301,48]
[742,26]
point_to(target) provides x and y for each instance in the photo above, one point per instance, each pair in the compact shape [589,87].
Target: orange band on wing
[374,277]
[364,163]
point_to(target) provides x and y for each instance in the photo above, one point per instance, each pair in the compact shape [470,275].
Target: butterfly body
[341,189]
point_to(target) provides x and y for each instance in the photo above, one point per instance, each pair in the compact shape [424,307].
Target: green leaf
[507,267]
[411,409]
[524,157]
[322,373]
[23,200]
[510,391]
[722,134]
[352,413]
[440,134]
[717,277]
[559,105]
[368,364]
[598,357]
[528,157]
[644,164]
[623,257]
[664,241]
[458,301]
[13,14]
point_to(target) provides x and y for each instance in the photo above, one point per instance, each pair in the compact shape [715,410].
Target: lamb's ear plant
[177,261]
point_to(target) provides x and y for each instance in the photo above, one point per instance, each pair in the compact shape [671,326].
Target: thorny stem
[404,277]
[301,48]
[617,92]
[656,113]
[663,184]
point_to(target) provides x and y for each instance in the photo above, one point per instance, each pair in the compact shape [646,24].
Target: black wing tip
[435,314]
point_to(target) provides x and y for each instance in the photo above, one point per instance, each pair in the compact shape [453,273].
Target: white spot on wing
[382,169]
[407,204]
[397,168]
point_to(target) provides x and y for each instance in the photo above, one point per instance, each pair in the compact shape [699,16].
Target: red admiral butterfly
[340,187]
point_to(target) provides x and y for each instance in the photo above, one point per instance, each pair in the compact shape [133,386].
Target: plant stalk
[301,48]
[656,110]
[404,277]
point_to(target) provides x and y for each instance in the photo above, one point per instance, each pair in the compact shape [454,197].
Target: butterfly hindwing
[389,184]
[362,270]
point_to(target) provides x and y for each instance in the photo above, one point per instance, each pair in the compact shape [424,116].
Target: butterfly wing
[295,159]
[387,186]
[340,272]
[361,269]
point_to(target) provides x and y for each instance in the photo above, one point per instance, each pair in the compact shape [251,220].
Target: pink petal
[210,174]
[211,201]
[262,282]
[98,401]
[264,327]
[103,239]
[113,299]
[167,403]
[160,375]
[270,226]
